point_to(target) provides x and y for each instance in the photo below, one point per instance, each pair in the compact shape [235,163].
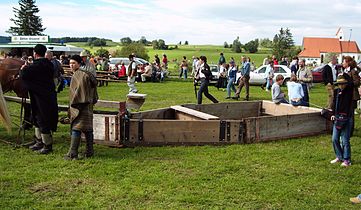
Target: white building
[315,49]
[25,44]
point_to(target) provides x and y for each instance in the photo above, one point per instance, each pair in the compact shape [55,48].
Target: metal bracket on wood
[241,133]
[126,130]
[228,131]
[222,130]
[140,130]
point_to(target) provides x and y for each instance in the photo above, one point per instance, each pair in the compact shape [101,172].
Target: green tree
[27,23]
[225,45]
[186,43]
[283,43]
[159,45]
[143,41]
[251,46]
[98,43]
[155,44]
[125,41]
[266,43]
[102,52]
[329,56]
[136,48]
[237,46]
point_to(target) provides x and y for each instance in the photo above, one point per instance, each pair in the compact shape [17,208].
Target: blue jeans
[299,103]
[342,149]
[269,82]
[305,98]
[185,71]
[230,85]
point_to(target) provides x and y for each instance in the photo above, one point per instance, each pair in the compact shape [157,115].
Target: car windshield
[115,61]
[214,68]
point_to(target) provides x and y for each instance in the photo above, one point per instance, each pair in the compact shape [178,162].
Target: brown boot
[73,151]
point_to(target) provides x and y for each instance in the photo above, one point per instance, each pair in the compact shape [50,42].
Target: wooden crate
[223,123]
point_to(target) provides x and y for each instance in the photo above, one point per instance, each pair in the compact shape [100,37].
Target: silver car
[257,77]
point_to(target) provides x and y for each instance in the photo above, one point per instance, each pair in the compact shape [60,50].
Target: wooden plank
[164,114]
[284,127]
[271,108]
[100,103]
[195,113]
[183,116]
[229,111]
[106,130]
[173,131]
[104,127]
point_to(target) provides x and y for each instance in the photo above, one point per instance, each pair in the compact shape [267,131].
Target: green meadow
[287,174]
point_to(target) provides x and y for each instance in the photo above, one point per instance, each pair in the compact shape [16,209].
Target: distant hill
[75,39]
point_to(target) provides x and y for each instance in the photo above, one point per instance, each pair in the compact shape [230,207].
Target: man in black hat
[38,78]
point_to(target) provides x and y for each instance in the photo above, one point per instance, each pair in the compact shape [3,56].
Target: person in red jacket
[122,71]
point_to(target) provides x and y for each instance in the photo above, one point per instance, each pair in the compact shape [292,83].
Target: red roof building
[314,49]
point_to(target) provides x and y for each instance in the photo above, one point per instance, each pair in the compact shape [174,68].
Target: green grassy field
[210,51]
[289,174]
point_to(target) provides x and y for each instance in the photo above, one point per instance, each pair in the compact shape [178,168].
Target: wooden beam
[191,112]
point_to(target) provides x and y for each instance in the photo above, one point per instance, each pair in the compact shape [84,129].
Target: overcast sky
[198,21]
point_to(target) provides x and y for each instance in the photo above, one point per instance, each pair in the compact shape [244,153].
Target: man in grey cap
[86,64]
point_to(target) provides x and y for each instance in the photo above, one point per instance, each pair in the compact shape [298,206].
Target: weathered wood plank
[195,113]
[173,131]
[229,111]
[271,108]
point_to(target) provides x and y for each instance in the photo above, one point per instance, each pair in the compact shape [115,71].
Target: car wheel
[285,81]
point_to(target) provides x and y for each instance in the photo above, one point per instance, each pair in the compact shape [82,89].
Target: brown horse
[10,81]
[9,77]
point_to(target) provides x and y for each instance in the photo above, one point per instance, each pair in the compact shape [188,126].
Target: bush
[136,48]
[102,53]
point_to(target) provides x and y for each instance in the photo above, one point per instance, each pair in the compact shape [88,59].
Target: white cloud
[199,22]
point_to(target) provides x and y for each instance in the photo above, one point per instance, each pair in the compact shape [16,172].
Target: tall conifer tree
[27,23]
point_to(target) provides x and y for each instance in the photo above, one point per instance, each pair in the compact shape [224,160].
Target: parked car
[317,74]
[257,76]
[215,71]
[318,71]
[114,61]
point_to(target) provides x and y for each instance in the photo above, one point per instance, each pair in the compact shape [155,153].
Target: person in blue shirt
[244,79]
[295,92]
[231,79]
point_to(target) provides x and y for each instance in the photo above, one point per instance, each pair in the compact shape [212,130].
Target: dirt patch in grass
[65,186]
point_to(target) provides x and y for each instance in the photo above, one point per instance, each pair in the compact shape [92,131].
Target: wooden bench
[184,113]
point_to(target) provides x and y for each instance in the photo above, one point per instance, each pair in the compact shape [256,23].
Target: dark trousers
[306,98]
[204,89]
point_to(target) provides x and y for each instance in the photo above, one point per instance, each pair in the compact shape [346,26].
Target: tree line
[281,45]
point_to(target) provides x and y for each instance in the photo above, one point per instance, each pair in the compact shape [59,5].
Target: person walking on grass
[82,97]
[244,80]
[203,74]
[277,95]
[231,79]
[38,79]
[342,117]
[184,68]
[268,76]
[132,73]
